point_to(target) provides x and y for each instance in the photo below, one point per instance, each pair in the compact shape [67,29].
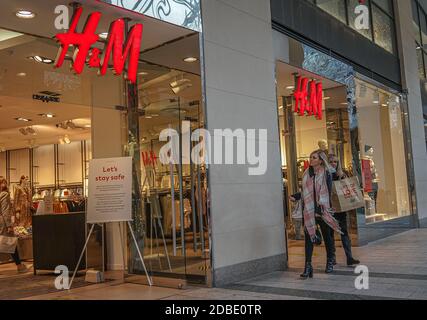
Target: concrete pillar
[411,82]
[247,218]
[107,141]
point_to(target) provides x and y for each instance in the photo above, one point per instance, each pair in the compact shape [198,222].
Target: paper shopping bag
[347,195]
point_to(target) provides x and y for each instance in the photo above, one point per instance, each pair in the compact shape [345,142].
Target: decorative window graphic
[185,13]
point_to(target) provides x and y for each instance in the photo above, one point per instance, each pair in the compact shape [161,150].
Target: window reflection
[335,8]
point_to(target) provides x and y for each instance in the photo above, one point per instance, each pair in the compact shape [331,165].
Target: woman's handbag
[318,238]
[297,211]
[7,243]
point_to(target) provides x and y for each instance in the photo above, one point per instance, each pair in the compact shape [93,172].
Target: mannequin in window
[22,203]
[369,155]
[323,145]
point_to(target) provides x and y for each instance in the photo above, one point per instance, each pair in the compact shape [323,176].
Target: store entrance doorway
[302,134]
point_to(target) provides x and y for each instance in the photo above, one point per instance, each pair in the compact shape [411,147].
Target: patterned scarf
[323,200]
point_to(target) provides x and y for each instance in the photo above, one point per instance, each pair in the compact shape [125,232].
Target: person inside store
[341,217]
[6,226]
[317,211]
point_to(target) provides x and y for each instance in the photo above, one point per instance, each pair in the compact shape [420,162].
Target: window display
[382,149]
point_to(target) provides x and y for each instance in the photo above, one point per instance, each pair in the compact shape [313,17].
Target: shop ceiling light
[177,90]
[23,119]
[38,59]
[67,139]
[190,59]
[376,99]
[47,115]
[103,35]
[326,98]
[41,59]
[290,87]
[180,82]
[21,74]
[25,14]
[143,73]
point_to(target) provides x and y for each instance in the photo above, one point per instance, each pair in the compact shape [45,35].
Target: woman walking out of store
[341,217]
[315,199]
[6,228]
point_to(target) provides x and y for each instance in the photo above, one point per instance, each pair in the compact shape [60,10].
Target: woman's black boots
[308,271]
[329,266]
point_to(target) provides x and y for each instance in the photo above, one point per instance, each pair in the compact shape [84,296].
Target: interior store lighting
[47,115]
[103,35]
[23,119]
[25,14]
[190,59]
[41,59]
[67,139]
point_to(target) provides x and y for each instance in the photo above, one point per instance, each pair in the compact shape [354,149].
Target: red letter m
[131,49]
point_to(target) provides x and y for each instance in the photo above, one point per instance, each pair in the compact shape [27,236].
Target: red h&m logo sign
[310,102]
[115,46]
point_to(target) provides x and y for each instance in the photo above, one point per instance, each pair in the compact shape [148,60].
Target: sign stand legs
[81,256]
[139,253]
[85,247]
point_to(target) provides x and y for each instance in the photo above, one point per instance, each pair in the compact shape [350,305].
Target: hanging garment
[22,205]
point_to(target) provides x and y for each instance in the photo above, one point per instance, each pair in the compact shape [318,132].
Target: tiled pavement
[397,265]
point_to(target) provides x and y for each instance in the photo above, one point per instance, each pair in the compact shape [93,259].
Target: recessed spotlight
[87,126]
[344,103]
[21,74]
[384,105]
[280,107]
[25,14]
[190,59]
[47,115]
[148,117]
[23,119]
[375,102]
[41,59]
[326,98]
[143,73]
[67,139]
[103,35]
[290,87]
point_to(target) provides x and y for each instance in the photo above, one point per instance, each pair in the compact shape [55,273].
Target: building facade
[213,65]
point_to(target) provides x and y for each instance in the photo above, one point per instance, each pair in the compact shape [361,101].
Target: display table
[58,239]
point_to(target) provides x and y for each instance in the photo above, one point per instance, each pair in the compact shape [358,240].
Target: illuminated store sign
[115,47]
[307,101]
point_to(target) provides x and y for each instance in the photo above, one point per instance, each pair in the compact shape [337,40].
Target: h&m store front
[363,123]
[54,121]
